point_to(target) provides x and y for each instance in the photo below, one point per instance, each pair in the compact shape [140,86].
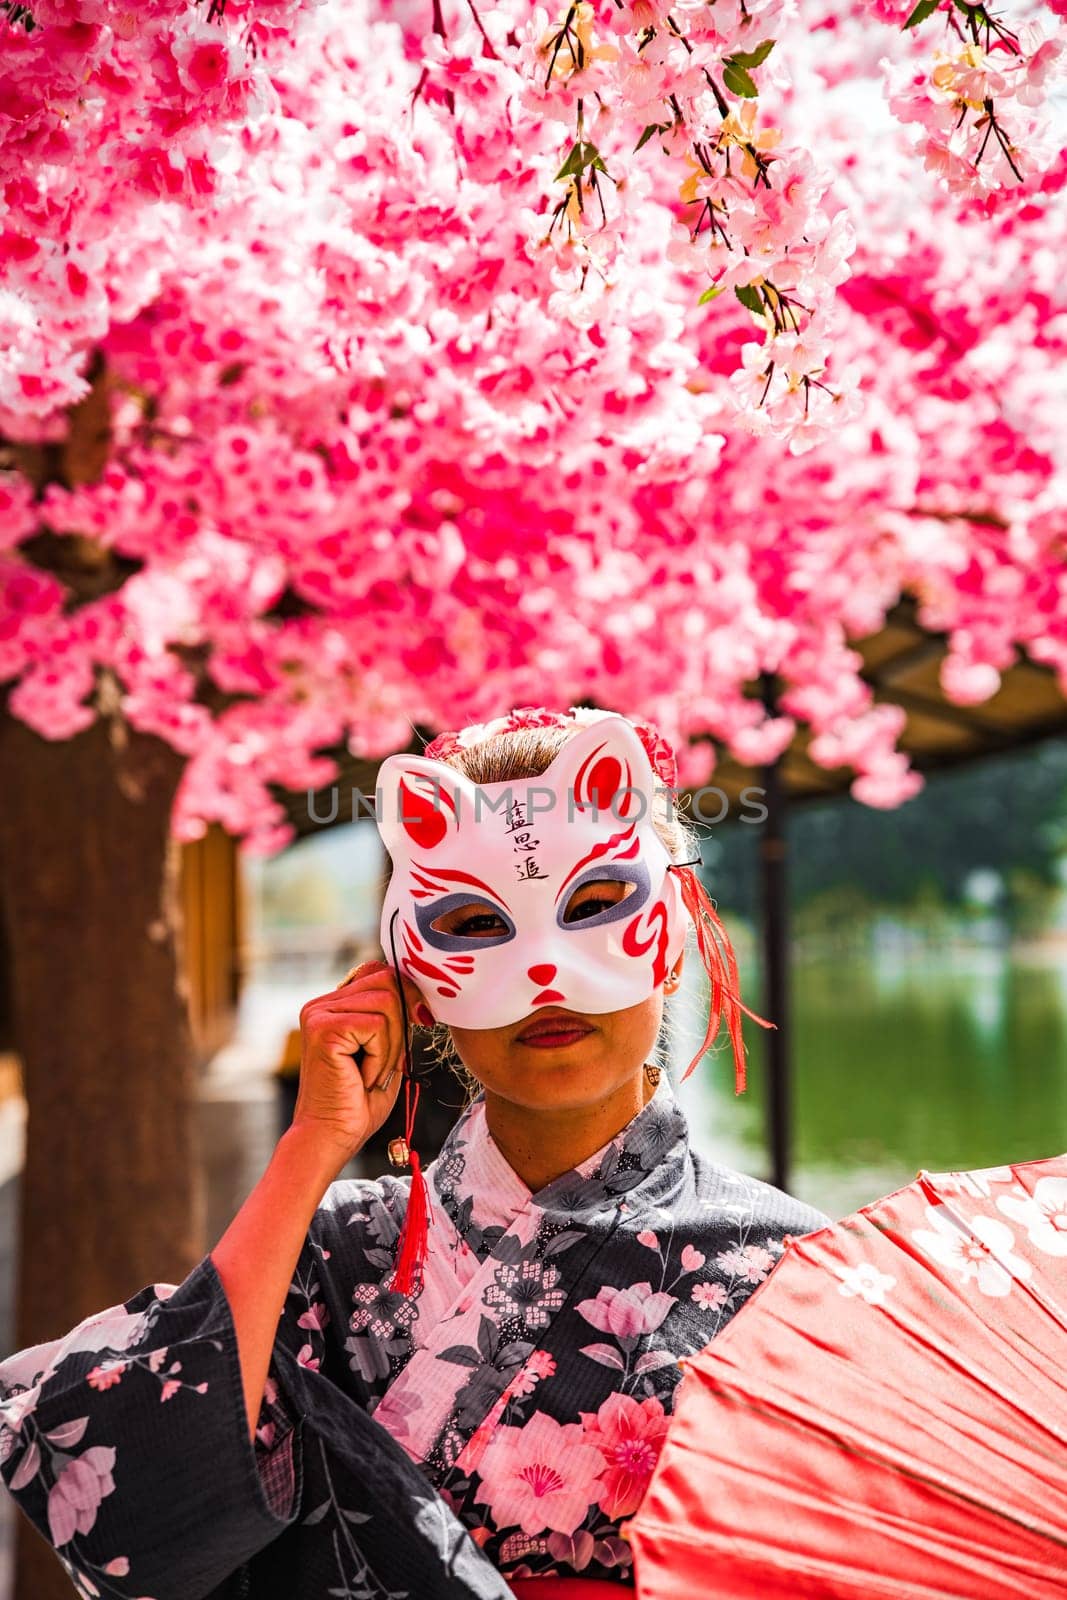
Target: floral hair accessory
[658,750]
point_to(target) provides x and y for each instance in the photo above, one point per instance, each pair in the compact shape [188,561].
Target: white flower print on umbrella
[986,1258]
[866,1281]
[952,1383]
[1043,1214]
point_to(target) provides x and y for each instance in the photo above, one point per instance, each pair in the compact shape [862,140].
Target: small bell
[399,1152]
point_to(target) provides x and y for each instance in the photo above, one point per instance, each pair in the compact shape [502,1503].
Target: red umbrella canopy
[887,1415]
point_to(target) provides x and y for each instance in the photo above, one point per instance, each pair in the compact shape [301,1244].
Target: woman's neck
[541,1144]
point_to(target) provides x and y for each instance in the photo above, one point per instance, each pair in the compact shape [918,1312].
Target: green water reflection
[942,1059]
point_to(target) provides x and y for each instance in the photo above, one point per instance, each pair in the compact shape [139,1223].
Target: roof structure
[902,666]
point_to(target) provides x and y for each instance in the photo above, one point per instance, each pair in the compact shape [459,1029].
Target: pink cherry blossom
[381,386]
[539,1365]
[542,1476]
[711,1296]
[105,1377]
[629,1434]
[752,1263]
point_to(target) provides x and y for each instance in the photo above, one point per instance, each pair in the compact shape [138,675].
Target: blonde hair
[513,757]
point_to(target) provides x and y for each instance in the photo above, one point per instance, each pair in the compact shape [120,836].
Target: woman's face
[568,1077]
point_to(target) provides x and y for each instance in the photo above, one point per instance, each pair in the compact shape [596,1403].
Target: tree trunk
[111,1194]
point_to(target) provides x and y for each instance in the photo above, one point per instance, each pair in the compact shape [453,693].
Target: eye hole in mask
[591,900]
[595,900]
[476,920]
[464,922]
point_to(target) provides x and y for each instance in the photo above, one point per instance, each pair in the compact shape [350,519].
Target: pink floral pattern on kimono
[507,1417]
[542,1476]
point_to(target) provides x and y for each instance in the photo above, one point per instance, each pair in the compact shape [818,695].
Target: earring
[652,1074]
[673,980]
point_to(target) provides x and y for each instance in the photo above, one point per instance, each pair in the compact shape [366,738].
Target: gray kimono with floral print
[501,1423]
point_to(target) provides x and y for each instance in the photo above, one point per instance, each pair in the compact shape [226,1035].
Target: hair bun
[659,752]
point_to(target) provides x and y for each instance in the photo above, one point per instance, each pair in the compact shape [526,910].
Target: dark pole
[774,896]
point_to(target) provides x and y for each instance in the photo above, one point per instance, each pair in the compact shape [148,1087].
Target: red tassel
[708,928]
[414,1239]
[414,1235]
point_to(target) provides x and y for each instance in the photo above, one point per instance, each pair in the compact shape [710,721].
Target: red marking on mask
[603,849]
[542,974]
[657,935]
[415,963]
[442,880]
[423,820]
[547,996]
[426,969]
[600,778]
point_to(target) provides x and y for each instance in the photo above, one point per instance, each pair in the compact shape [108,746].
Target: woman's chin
[557,1081]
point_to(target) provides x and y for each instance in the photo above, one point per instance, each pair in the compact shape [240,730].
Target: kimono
[502,1422]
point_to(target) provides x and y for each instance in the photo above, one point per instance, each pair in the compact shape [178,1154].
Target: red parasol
[886,1416]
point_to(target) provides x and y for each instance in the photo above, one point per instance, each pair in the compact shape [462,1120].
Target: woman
[455,1383]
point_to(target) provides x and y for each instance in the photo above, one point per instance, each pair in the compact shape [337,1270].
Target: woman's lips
[553,1032]
[554,1041]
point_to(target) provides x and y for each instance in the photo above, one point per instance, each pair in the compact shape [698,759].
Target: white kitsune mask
[506,896]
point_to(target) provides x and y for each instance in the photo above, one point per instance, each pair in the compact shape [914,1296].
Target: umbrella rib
[809,1425]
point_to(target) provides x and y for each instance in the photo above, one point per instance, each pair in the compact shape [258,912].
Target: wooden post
[775,906]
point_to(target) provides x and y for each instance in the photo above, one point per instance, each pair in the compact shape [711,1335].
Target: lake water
[924,1058]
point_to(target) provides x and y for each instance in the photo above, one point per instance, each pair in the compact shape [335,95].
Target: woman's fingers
[362,1017]
[374,1027]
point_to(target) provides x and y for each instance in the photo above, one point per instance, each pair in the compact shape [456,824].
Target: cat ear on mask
[605,765]
[420,802]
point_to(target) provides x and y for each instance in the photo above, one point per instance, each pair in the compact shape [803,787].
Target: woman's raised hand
[350,1075]
[352,1057]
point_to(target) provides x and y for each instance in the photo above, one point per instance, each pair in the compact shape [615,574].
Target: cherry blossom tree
[370,367]
[330,356]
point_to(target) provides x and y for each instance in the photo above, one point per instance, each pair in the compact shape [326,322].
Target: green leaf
[653,127]
[924,9]
[581,156]
[709,294]
[750,298]
[738,81]
[751,58]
